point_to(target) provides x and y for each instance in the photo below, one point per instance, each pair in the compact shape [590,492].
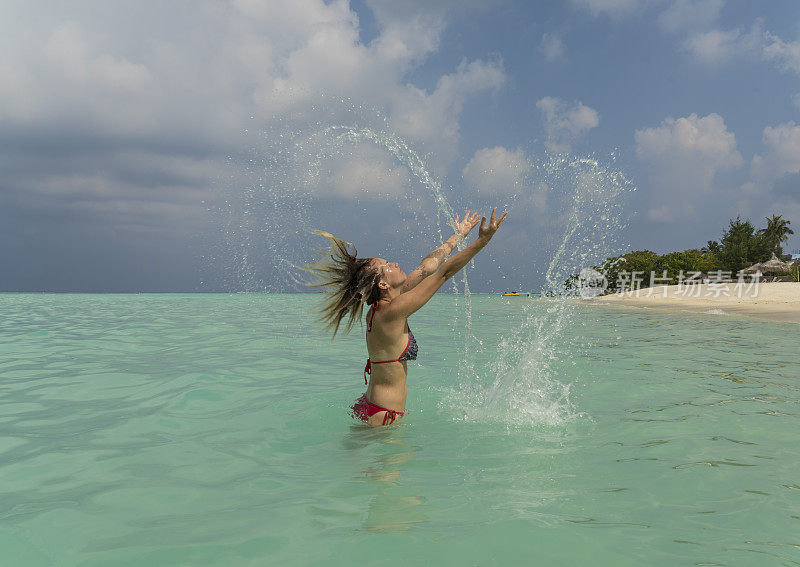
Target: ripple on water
[214,448]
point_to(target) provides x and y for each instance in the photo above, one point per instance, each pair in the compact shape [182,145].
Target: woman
[393,297]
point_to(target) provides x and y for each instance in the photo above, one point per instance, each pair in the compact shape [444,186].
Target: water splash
[273,219]
[400,149]
[529,382]
[287,177]
[594,216]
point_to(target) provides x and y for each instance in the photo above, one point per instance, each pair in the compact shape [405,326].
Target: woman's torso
[387,340]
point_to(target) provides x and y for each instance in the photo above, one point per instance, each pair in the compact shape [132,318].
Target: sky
[187,146]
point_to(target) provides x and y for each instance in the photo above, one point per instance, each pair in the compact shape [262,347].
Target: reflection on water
[395,505]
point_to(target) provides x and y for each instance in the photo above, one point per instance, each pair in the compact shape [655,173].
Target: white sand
[777,301]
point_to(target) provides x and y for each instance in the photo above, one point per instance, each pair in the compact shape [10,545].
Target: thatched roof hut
[772,266]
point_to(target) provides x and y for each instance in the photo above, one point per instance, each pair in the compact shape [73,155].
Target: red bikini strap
[368,367]
[375,305]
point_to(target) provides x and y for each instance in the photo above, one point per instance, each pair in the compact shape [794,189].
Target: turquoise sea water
[212,430]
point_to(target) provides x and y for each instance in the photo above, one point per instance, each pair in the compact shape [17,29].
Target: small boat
[510,293]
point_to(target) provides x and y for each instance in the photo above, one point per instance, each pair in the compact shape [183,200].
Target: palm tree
[777,231]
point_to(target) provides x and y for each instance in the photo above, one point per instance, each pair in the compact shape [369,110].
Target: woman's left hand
[470,221]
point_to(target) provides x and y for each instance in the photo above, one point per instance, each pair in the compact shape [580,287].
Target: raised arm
[432,261]
[407,303]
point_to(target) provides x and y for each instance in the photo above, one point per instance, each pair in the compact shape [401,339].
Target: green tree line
[740,246]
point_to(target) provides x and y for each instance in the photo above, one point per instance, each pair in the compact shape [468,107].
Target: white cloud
[782,153]
[497,170]
[785,54]
[690,14]
[410,29]
[706,139]
[62,77]
[552,46]
[332,61]
[240,58]
[565,124]
[189,84]
[774,184]
[717,46]
[713,46]
[610,7]
[683,157]
[432,119]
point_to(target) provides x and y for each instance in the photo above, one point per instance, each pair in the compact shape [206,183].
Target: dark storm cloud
[126,134]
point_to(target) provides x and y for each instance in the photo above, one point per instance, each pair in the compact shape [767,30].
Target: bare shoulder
[387,320]
[394,315]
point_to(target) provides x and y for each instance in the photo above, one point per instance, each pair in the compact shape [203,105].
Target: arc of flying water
[405,155]
[408,157]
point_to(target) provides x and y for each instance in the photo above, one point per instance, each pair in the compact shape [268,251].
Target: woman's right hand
[485,231]
[470,221]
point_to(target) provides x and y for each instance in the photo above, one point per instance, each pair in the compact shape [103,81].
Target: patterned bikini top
[409,353]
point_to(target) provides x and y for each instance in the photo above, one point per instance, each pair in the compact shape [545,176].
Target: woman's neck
[389,295]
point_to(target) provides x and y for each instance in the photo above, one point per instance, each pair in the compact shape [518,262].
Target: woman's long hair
[349,282]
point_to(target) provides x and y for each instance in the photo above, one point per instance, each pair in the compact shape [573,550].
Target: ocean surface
[206,429]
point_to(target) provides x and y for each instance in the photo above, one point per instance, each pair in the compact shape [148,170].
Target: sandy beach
[777,301]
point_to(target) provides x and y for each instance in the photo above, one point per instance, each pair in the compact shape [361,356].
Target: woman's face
[389,272]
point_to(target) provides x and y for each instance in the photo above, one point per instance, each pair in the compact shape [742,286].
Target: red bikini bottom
[363,409]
